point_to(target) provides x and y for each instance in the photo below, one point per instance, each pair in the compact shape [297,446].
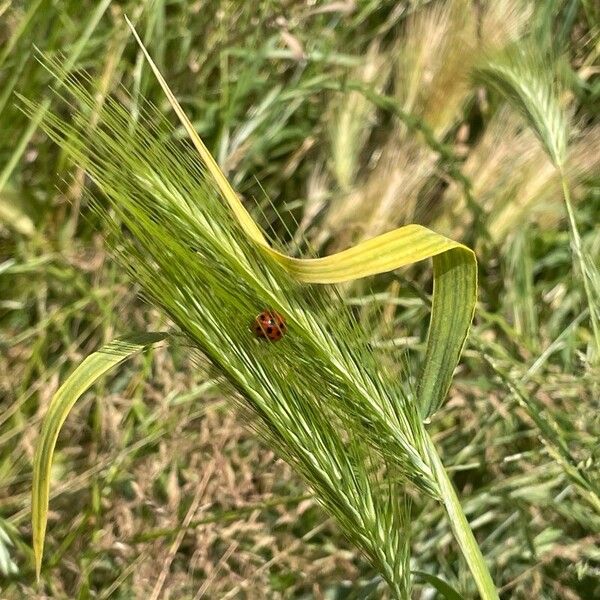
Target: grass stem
[579,252]
[461,528]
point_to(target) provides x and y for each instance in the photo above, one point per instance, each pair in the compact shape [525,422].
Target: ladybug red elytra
[269,325]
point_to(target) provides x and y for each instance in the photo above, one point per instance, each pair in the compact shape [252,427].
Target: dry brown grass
[513,179]
[431,79]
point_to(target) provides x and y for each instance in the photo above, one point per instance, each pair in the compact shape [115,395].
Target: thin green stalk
[576,240]
[461,528]
[22,144]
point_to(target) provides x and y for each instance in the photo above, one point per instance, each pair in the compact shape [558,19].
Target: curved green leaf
[454,268]
[440,585]
[84,376]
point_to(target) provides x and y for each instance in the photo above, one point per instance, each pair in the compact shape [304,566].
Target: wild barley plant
[428,72]
[531,80]
[532,83]
[512,187]
[319,397]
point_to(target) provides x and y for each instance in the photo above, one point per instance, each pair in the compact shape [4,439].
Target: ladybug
[269,325]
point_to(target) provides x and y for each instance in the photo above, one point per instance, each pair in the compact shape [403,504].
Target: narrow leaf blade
[84,376]
[440,585]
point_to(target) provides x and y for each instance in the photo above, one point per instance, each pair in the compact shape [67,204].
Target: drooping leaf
[85,375]
[454,269]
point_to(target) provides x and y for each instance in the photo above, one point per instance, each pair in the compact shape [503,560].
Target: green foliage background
[162,489]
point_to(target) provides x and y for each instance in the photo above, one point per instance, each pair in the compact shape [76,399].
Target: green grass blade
[86,374]
[78,48]
[440,585]
[454,297]
[24,24]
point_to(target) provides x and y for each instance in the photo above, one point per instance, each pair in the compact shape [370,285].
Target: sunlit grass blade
[221,181]
[85,375]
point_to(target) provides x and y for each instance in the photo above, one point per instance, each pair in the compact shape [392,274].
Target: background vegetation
[163,492]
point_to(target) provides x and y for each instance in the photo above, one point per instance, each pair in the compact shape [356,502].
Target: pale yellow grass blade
[85,375]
